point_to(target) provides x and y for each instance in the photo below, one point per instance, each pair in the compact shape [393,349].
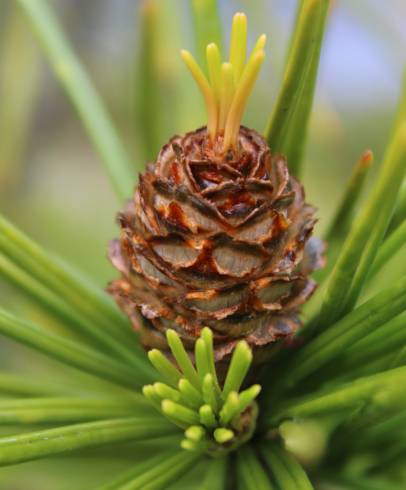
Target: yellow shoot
[206,90]
[238,44]
[260,44]
[226,93]
[229,85]
[214,66]
[240,99]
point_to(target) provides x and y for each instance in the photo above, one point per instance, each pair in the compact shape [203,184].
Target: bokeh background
[53,186]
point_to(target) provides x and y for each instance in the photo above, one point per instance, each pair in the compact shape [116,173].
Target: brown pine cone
[218,239]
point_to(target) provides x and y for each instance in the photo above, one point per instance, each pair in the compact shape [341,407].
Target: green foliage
[287,129]
[207,25]
[67,351]
[84,97]
[365,237]
[286,470]
[61,410]
[155,473]
[34,445]
[350,395]
[147,80]
[393,243]
[341,221]
[15,119]
[333,341]
[251,474]
[332,410]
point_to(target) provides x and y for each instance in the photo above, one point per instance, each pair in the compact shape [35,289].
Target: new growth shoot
[214,418]
[229,84]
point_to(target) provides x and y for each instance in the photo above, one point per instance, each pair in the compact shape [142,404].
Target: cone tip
[367,158]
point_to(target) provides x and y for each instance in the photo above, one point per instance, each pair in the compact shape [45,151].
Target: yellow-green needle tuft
[230,83]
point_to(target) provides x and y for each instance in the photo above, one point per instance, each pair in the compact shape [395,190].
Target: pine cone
[218,239]
[218,232]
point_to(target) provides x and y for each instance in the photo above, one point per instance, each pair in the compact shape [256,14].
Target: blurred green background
[53,187]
